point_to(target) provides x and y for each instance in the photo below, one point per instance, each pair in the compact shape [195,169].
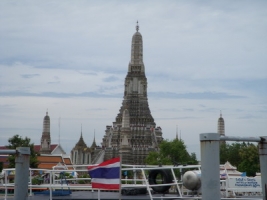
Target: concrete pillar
[263,166]
[22,173]
[210,166]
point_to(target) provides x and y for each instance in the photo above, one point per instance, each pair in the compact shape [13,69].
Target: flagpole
[120,175]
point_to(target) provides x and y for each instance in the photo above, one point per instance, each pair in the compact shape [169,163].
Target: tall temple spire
[136,64]
[134,131]
[135,92]
[46,139]
[221,128]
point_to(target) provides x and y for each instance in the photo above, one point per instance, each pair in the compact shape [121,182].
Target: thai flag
[106,175]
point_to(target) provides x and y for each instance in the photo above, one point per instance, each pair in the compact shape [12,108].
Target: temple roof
[94,143]
[80,144]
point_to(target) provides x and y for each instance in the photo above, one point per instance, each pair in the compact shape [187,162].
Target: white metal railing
[134,182]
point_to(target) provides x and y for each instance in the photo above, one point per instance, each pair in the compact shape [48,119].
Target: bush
[36,181]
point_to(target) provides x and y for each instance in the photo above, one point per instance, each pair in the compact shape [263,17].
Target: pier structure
[210,162]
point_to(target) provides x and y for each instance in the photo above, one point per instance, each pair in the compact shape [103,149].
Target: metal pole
[263,166]
[6,184]
[240,139]
[210,166]
[8,151]
[30,182]
[50,184]
[22,173]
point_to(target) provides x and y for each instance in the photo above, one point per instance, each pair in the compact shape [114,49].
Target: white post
[22,173]
[6,185]
[210,166]
[120,175]
[50,186]
[263,166]
[30,182]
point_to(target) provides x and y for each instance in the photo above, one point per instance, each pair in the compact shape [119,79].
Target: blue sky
[71,57]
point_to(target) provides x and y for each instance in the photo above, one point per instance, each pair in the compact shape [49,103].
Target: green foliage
[250,160]
[193,159]
[171,153]
[37,180]
[84,181]
[18,141]
[244,156]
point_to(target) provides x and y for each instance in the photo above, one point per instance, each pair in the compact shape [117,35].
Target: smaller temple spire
[221,125]
[46,139]
[81,130]
[94,135]
[177,132]
[94,143]
[137,26]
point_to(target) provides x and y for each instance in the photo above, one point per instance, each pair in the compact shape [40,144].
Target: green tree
[224,152]
[244,156]
[230,152]
[193,159]
[171,152]
[250,162]
[18,141]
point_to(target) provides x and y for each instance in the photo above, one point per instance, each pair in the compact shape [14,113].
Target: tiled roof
[50,159]
[48,162]
[46,165]
[38,147]
[67,161]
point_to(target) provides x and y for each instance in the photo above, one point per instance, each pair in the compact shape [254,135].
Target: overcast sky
[71,57]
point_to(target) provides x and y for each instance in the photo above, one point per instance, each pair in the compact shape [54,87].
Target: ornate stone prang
[134,132]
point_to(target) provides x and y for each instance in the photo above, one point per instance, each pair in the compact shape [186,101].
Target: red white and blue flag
[106,175]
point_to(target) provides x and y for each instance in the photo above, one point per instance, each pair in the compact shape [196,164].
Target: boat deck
[88,195]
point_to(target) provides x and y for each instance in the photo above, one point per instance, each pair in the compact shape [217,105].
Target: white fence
[232,185]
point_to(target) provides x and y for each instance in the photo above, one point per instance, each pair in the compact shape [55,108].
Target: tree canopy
[244,156]
[18,141]
[171,153]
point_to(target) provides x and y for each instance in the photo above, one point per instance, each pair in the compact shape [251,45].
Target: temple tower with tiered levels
[46,139]
[221,128]
[134,133]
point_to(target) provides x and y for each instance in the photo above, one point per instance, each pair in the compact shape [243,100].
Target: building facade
[81,154]
[134,132]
